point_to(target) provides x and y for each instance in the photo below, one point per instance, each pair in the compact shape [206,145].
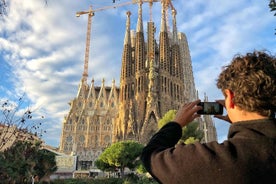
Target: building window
[81,138]
[107,139]
[69,138]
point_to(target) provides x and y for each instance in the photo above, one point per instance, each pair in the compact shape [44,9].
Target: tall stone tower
[155,77]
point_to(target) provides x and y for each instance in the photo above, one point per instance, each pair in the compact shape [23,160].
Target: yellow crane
[91,13]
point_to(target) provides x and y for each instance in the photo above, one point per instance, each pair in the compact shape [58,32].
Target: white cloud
[44,46]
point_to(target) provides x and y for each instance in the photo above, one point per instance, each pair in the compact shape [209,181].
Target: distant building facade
[155,78]
[9,134]
[88,127]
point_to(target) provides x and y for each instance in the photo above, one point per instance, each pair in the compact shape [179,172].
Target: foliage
[24,160]
[191,133]
[100,164]
[169,116]
[18,162]
[128,179]
[140,169]
[146,180]
[45,163]
[272,6]
[120,155]
[190,140]
[88,181]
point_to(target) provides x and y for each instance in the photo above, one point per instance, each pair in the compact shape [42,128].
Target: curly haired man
[249,153]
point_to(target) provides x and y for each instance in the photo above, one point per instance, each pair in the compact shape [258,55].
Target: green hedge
[126,180]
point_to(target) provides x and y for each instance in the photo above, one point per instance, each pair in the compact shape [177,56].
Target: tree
[190,132]
[18,162]
[24,160]
[166,118]
[141,168]
[100,164]
[272,6]
[45,164]
[15,125]
[119,156]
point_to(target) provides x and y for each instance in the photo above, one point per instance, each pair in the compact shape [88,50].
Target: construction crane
[86,57]
[168,3]
[91,13]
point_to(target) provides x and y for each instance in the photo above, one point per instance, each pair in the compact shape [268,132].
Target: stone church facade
[155,78]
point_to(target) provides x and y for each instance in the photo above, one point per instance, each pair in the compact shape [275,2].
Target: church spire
[139,27]
[164,45]
[91,93]
[126,57]
[127,34]
[139,42]
[163,27]
[175,39]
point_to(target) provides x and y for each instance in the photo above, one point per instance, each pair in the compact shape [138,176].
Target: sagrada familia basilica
[155,77]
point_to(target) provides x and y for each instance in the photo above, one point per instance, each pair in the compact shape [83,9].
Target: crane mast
[88,36]
[87,49]
[90,14]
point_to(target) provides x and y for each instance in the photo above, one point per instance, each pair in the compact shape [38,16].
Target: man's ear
[229,101]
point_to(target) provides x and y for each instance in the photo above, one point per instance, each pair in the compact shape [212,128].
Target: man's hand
[222,117]
[187,113]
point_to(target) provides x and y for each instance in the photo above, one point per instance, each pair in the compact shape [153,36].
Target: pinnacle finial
[139,27]
[128,13]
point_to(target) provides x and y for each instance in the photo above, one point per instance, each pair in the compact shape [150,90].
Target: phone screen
[210,108]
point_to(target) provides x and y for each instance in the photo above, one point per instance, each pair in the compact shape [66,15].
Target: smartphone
[210,108]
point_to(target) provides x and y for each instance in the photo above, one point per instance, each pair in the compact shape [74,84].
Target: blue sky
[42,47]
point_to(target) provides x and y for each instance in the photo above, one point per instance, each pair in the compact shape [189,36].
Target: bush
[146,180]
[129,179]
[88,181]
